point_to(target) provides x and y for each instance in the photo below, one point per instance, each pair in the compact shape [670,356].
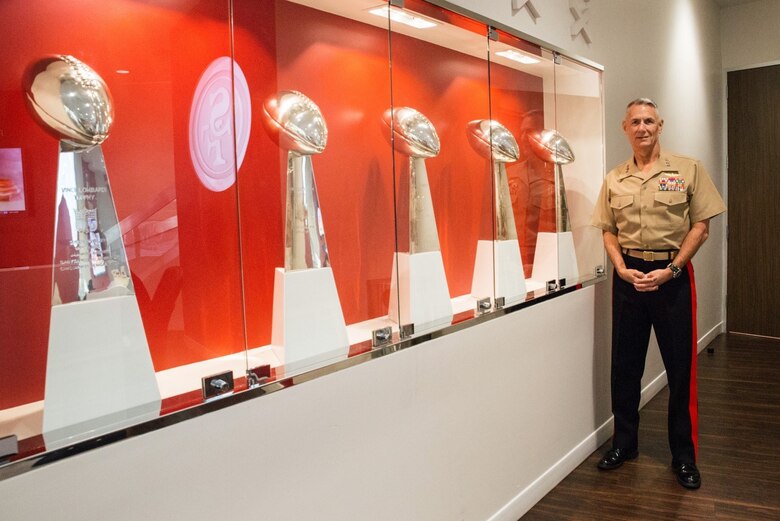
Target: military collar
[629,168]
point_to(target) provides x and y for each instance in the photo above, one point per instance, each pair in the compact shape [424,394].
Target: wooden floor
[739,450]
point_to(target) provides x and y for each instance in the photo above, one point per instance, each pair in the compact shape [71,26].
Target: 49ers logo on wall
[211,124]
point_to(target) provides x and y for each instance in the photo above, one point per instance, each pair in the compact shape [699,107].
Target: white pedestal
[555,258]
[508,269]
[421,289]
[99,373]
[308,324]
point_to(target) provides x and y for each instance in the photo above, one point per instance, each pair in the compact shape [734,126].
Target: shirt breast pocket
[674,207]
[619,202]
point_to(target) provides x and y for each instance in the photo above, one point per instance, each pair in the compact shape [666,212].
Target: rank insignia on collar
[671,182]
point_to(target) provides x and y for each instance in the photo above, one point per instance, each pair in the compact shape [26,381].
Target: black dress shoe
[616,457]
[688,475]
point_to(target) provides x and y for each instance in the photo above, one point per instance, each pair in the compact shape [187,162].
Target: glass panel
[317,183]
[263,189]
[444,189]
[119,267]
[579,120]
[521,87]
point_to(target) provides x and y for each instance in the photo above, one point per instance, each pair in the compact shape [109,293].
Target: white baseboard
[539,488]
[534,492]
[529,496]
[710,335]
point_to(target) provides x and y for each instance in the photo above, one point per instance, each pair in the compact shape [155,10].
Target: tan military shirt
[655,211]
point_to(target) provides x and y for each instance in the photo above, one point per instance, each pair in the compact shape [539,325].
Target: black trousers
[671,312]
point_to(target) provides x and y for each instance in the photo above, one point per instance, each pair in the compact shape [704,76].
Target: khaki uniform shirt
[655,211]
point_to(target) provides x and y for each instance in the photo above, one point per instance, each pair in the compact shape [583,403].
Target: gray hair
[643,101]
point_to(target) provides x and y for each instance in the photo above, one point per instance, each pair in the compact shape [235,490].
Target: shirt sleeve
[705,201]
[602,214]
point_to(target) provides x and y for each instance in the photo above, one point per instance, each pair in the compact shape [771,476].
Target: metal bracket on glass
[562,283]
[217,385]
[552,285]
[499,302]
[483,305]
[380,337]
[492,34]
[397,3]
[406,330]
[258,375]
[600,271]
[9,446]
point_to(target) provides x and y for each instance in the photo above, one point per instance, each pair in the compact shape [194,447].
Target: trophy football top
[71,100]
[551,147]
[493,140]
[296,122]
[414,134]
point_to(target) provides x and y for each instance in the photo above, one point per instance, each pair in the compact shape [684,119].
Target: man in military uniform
[654,212]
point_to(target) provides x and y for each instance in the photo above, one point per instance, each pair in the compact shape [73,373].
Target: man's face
[642,127]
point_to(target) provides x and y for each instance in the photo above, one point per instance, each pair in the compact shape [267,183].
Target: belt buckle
[648,256]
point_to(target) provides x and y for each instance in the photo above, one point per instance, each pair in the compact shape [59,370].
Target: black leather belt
[650,255]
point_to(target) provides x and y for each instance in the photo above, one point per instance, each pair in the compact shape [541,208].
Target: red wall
[187,279]
[188,274]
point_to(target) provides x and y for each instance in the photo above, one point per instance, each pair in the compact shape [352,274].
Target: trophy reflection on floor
[99,373]
[555,256]
[308,323]
[418,294]
[498,268]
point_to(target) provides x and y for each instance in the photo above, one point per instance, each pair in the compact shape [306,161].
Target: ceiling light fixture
[517,56]
[401,16]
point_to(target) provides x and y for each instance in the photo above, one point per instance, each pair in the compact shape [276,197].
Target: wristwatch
[676,272]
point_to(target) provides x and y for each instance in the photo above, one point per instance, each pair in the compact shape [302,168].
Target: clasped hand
[646,281]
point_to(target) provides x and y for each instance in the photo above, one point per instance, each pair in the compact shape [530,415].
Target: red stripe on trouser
[693,400]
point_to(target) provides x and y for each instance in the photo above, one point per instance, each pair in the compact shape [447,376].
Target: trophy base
[99,373]
[308,324]
[555,257]
[508,269]
[421,290]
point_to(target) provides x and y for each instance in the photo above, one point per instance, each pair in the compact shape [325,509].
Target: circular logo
[212,139]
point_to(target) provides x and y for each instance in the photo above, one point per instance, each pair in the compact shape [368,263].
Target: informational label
[216,151]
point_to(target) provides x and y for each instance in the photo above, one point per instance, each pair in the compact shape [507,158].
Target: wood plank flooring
[739,450]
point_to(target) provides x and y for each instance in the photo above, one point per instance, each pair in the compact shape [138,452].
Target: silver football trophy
[418,294]
[498,268]
[555,256]
[99,372]
[551,147]
[308,323]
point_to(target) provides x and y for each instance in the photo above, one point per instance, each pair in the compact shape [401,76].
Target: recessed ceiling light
[401,16]
[518,57]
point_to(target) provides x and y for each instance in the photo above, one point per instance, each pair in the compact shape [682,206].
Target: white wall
[749,35]
[472,426]
[452,430]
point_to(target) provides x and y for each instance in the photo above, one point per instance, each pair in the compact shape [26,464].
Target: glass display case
[201,198]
